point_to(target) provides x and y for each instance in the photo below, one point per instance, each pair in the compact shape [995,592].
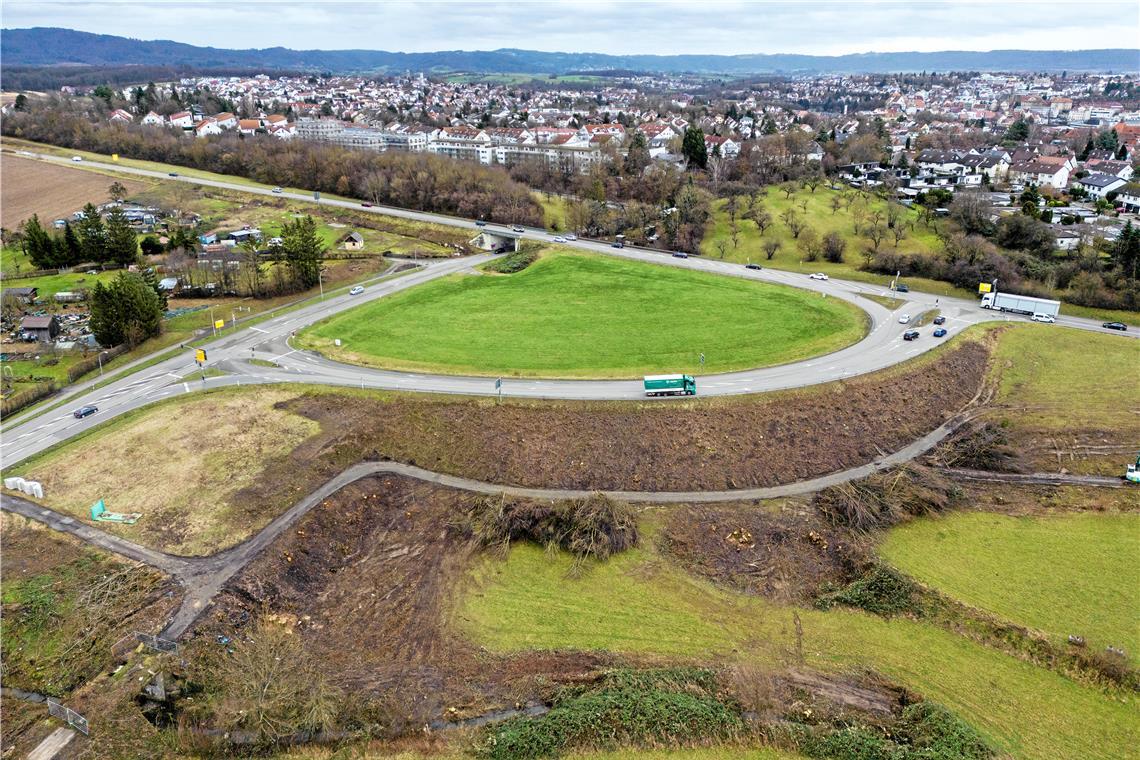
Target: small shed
[43,328]
[23,295]
[353,241]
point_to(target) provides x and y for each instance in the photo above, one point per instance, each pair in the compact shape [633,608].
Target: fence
[74,719]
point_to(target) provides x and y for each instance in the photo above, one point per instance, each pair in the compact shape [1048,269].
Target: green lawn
[1058,378]
[588,316]
[51,284]
[637,603]
[1072,574]
[553,211]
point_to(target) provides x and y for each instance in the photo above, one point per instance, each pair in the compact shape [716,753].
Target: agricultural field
[51,190]
[573,315]
[1062,574]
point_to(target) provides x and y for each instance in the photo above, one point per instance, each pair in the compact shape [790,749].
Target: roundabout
[572,315]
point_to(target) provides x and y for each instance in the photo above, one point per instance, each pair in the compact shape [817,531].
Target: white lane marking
[258,329]
[186,387]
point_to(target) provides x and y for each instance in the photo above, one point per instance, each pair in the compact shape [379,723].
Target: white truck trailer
[1021,304]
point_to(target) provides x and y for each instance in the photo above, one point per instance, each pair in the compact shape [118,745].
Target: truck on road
[670,385]
[1021,304]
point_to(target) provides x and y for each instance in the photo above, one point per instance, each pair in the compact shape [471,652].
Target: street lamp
[101,363]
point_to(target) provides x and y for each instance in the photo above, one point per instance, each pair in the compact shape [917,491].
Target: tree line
[89,240]
[410,180]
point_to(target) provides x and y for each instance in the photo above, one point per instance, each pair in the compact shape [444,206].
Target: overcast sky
[617,26]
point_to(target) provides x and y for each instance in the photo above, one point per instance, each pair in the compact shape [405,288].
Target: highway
[269,340]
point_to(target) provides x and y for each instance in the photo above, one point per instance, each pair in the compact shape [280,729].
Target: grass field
[163,460]
[1072,574]
[588,316]
[637,603]
[51,190]
[1059,379]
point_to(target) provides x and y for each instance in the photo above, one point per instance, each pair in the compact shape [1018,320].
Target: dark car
[480,223]
[680,255]
[1115,326]
[84,411]
[173,174]
[366,205]
[618,244]
[940,332]
[910,334]
[902,288]
[940,320]
[753,266]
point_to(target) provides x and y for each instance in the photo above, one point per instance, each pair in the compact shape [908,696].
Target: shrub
[626,707]
[513,262]
[885,498]
[597,526]
[924,731]
[880,591]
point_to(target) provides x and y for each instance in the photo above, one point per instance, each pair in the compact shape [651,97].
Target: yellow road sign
[200,355]
[219,323]
[985,287]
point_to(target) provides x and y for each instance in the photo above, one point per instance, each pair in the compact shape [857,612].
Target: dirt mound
[783,552]
[365,579]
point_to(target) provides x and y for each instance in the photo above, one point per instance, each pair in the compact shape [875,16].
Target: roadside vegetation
[575,315]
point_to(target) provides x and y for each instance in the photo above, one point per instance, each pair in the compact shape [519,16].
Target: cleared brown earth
[701,445]
[365,579]
[49,189]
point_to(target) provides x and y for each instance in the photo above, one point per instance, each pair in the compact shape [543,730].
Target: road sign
[114,156]
[985,287]
[200,355]
[219,323]
[499,384]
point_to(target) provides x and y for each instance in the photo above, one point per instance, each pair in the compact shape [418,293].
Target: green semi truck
[670,385]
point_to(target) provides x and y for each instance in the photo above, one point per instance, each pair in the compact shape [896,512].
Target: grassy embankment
[820,217]
[588,316]
[1072,574]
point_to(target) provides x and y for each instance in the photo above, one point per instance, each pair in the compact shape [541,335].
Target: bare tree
[803,204]
[894,213]
[721,246]
[735,235]
[836,202]
[788,188]
[813,181]
[761,218]
[833,247]
[808,243]
[117,191]
[899,232]
[875,233]
[793,221]
[731,206]
[770,248]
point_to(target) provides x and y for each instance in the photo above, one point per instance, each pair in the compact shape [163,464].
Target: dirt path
[204,577]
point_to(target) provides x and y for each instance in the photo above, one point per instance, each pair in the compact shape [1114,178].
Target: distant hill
[43,46]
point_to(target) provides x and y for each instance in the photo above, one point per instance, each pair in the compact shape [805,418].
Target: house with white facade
[1100,185]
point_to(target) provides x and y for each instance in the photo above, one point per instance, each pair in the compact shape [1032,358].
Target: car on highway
[366,205]
[84,411]
[680,255]
[902,288]
[818,276]
[517,228]
[752,266]
[571,236]
[1046,318]
[77,159]
[904,319]
[559,239]
[172,174]
[940,320]
[940,332]
[1115,326]
[910,334]
[356,290]
[278,190]
[617,244]
[480,223]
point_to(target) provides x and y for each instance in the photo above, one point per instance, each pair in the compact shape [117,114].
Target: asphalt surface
[269,340]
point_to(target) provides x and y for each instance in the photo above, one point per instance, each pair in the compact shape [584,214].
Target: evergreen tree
[1126,251]
[122,243]
[92,235]
[1018,131]
[1089,146]
[1107,140]
[126,311]
[72,248]
[693,147]
[39,245]
[303,250]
